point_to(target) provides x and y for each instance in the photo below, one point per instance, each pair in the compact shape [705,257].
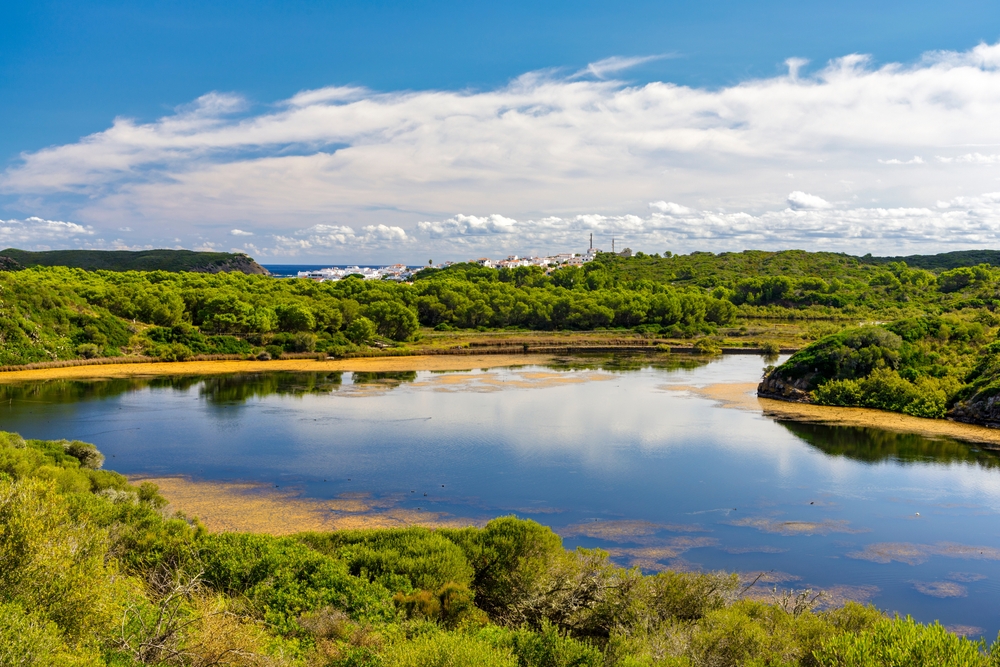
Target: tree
[361,331]
[392,319]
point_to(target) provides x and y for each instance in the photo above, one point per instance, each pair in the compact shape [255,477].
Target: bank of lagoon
[633,454]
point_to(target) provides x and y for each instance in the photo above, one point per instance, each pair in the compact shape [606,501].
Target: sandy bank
[370,364]
[743,396]
[261,508]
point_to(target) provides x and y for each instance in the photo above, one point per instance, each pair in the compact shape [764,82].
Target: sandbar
[430,362]
[261,508]
[743,395]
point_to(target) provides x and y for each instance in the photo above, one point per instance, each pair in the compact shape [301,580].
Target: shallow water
[599,449]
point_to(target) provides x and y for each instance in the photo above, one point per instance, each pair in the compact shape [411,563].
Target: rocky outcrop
[238,262]
[9,264]
[783,389]
[980,410]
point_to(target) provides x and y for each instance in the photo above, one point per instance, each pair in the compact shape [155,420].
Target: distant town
[404,273]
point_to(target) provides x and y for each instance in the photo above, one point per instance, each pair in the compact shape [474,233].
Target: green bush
[901,642]
[361,331]
[448,649]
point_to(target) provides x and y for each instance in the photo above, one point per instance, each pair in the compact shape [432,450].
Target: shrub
[707,346]
[88,350]
[173,352]
[448,649]
[901,642]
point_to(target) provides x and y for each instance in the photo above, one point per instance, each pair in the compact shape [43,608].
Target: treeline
[59,313]
[95,573]
[51,313]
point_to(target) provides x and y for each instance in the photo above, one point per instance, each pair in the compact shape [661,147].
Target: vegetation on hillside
[94,572]
[918,366]
[925,349]
[128,260]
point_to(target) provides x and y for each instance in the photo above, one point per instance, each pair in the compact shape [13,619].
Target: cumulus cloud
[40,234]
[239,232]
[393,167]
[468,225]
[963,222]
[801,201]
[971,158]
[916,159]
[341,237]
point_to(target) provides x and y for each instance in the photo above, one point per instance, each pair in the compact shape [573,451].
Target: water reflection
[871,445]
[614,362]
[217,389]
[241,387]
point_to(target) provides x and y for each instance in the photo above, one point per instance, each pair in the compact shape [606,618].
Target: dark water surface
[599,449]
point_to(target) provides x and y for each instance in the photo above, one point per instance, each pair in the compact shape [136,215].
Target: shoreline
[742,395]
[430,362]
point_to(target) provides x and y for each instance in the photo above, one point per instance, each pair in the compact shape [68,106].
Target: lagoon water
[602,449]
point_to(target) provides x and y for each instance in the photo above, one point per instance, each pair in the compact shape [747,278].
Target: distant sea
[292,270]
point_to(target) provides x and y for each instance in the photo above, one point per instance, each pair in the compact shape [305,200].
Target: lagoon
[615,452]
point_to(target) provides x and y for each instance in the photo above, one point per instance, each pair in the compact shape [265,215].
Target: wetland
[634,454]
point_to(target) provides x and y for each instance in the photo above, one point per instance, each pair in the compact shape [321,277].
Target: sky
[371,132]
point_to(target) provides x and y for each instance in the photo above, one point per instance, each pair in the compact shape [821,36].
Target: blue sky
[348,176]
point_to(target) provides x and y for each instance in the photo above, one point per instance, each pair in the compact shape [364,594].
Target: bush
[88,350]
[304,342]
[448,649]
[901,642]
[173,352]
[361,331]
[707,346]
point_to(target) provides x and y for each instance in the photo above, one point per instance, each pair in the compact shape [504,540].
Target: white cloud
[670,207]
[602,69]
[239,232]
[392,167]
[915,160]
[40,234]
[468,225]
[795,65]
[964,222]
[340,237]
[971,158]
[801,201]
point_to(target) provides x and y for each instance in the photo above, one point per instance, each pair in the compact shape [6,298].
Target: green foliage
[51,313]
[901,642]
[915,366]
[283,578]
[361,331]
[402,559]
[142,260]
[447,649]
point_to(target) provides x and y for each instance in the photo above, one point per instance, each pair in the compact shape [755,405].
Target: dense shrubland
[59,313]
[93,572]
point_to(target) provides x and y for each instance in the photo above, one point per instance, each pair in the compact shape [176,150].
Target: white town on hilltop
[404,273]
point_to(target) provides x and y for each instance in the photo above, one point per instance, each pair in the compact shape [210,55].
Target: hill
[125,260]
[941,261]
